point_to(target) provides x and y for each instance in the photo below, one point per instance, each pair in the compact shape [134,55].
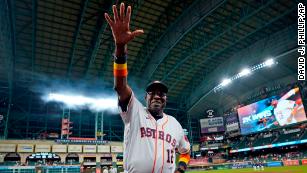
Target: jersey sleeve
[184,144]
[132,109]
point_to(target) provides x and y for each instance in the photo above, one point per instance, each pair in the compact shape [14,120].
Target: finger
[128,14]
[137,32]
[115,13]
[109,20]
[122,12]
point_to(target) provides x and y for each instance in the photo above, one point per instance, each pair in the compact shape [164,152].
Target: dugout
[106,160]
[11,158]
[89,164]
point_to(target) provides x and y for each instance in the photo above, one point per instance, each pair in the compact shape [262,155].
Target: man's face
[156,100]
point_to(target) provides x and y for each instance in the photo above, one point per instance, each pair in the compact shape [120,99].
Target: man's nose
[156,95]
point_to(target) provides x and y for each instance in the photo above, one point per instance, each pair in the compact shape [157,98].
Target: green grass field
[284,169]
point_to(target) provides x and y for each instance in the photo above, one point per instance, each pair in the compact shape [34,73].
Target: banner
[291,162]
[74,148]
[89,148]
[304,162]
[25,148]
[273,112]
[7,148]
[80,141]
[242,165]
[42,148]
[17,168]
[274,164]
[103,149]
[210,125]
[116,149]
[59,148]
[231,118]
[198,162]
[211,138]
[232,122]
[232,127]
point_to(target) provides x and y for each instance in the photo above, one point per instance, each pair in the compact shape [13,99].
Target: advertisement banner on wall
[8,148]
[199,162]
[232,122]
[210,125]
[242,165]
[274,164]
[89,148]
[59,148]
[116,149]
[232,127]
[291,162]
[42,148]
[74,148]
[103,148]
[304,162]
[231,118]
[25,148]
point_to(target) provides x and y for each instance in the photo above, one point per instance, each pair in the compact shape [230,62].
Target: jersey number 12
[170,156]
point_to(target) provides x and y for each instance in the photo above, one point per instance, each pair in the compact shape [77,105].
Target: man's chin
[155,110]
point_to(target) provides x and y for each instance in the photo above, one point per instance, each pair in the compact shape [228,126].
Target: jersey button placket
[159,141]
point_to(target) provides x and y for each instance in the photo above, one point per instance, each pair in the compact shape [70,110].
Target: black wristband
[120,60]
[182,164]
[180,170]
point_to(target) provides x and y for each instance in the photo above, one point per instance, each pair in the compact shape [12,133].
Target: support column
[65,115]
[99,126]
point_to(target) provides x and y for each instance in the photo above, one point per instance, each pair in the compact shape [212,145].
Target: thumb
[137,32]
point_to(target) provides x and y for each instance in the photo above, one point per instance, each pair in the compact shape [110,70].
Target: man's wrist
[120,50]
[182,165]
[120,59]
[179,170]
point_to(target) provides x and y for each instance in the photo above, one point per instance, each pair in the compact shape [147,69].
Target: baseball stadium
[148,86]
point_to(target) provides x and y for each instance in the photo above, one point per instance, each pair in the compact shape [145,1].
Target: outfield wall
[248,164]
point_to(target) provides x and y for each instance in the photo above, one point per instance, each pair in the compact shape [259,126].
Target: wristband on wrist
[179,170]
[120,59]
[182,164]
[120,66]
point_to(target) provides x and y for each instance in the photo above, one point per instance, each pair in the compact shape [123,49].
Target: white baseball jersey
[149,145]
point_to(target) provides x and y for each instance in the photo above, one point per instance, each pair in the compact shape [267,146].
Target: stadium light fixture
[245,72]
[269,62]
[225,82]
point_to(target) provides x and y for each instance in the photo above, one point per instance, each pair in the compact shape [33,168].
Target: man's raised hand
[120,25]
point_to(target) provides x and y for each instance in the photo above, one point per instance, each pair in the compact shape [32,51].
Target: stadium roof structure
[189,45]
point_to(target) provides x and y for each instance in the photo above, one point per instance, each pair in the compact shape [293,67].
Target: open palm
[120,25]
